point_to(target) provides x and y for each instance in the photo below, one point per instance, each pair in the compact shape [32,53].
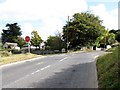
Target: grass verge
[17,57]
[108,69]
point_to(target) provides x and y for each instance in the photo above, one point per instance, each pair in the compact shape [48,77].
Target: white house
[9,45]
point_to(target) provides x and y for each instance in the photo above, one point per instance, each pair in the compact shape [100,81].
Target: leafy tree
[117,34]
[20,41]
[107,38]
[36,39]
[55,42]
[112,31]
[12,33]
[0,44]
[83,29]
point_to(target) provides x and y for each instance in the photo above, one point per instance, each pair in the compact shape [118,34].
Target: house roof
[8,43]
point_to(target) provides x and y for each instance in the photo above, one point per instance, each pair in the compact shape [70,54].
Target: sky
[49,16]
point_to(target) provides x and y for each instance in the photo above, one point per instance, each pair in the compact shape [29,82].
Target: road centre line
[63,59]
[41,69]
[40,62]
[45,67]
[35,72]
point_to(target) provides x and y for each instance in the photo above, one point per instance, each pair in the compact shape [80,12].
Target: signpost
[27,39]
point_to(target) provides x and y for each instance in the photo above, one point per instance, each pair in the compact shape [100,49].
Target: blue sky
[49,16]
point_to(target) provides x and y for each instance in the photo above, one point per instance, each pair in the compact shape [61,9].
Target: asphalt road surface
[73,70]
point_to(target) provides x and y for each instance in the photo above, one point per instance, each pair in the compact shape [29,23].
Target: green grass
[16,58]
[108,70]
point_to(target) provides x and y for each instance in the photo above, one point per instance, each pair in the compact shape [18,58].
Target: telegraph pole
[105,43]
[67,34]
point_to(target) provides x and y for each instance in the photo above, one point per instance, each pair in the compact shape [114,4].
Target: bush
[108,70]
[14,51]
[5,53]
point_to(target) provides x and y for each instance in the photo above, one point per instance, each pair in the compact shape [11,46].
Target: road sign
[27,38]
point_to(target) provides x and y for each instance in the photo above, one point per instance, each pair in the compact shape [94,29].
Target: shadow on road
[77,76]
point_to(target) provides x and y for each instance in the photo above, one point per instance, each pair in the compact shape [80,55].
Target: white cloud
[102,0]
[110,18]
[40,9]
[28,28]
[51,13]
[51,25]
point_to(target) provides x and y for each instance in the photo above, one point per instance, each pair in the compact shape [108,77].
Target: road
[72,70]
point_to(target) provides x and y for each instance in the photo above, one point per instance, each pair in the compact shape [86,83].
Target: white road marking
[40,63]
[63,59]
[96,56]
[45,67]
[37,71]
[90,61]
[33,73]
[41,69]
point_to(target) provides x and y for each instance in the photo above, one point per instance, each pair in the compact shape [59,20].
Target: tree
[107,38]
[12,33]
[117,34]
[20,41]
[55,42]
[36,39]
[83,29]
[0,44]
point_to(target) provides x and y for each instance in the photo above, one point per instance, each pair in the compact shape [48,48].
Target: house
[9,45]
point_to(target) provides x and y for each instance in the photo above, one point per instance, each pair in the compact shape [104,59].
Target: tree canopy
[83,29]
[117,34]
[55,42]
[36,40]
[106,38]
[21,42]
[12,33]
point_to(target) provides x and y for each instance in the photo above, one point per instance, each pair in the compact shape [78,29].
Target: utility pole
[67,34]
